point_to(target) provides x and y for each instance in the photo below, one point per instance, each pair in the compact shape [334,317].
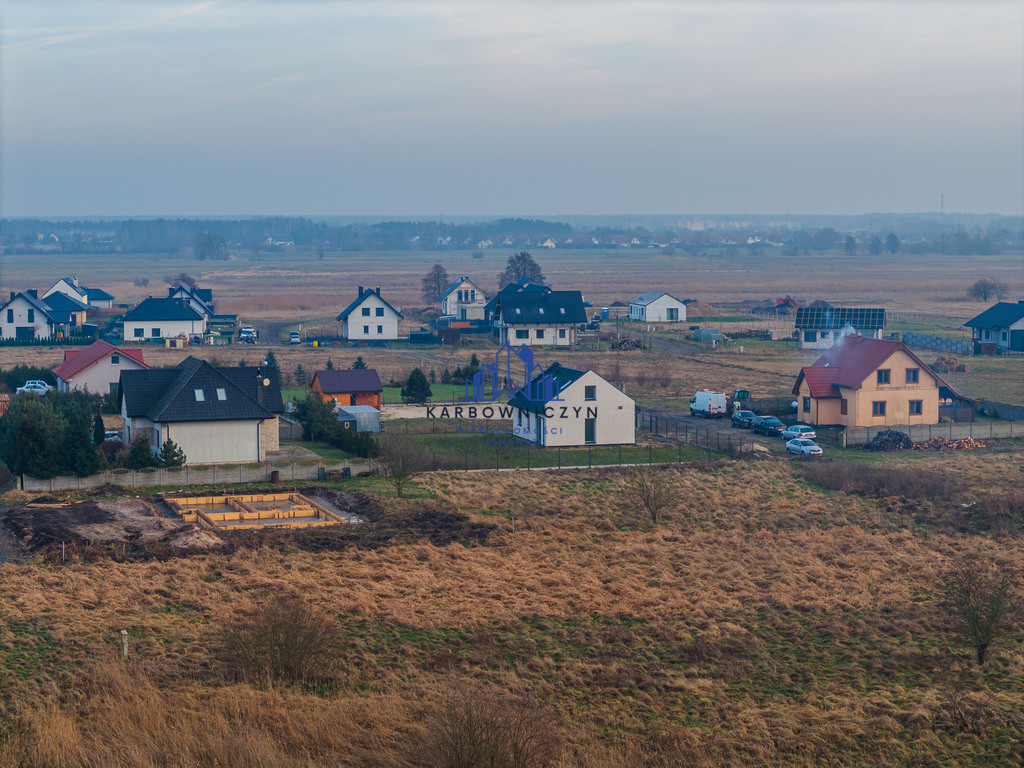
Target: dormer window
[199,396]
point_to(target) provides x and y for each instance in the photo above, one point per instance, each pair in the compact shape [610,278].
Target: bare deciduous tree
[985,289]
[651,489]
[980,599]
[435,281]
[402,458]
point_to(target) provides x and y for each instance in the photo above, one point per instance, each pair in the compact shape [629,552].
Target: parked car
[111,434]
[769,426]
[35,386]
[294,338]
[743,419]
[803,446]
[798,430]
[247,335]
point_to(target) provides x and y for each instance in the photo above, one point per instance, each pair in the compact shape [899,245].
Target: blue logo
[501,379]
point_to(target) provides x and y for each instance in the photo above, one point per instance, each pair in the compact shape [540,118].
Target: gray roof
[38,304]
[162,309]
[1001,315]
[531,397]
[171,394]
[648,296]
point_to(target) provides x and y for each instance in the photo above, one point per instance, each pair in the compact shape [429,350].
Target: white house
[156,319]
[92,297]
[26,317]
[200,299]
[369,318]
[464,300]
[96,368]
[534,315]
[822,326]
[1001,324]
[213,414]
[567,407]
[657,307]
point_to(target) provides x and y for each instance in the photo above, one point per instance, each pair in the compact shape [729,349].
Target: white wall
[359,326]
[42,326]
[538,335]
[209,442]
[99,376]
[657,310]
[564,422]
[165,328]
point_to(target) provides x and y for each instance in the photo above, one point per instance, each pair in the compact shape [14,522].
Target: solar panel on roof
[835,318]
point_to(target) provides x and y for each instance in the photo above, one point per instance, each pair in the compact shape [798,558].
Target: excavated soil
[46,522]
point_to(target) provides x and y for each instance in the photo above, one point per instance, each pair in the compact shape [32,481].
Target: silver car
[803,446]
[798,430]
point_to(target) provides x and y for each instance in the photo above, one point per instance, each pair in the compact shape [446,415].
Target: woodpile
[627,344]
[942,444]
[948,364]
[890,440]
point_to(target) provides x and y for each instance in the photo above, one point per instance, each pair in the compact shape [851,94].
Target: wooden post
[124,644]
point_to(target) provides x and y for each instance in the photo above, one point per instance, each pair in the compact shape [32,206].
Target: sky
[422,109]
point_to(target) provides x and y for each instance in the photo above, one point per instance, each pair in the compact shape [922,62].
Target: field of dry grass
[764,622]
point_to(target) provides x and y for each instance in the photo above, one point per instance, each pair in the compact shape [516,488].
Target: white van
[709,404]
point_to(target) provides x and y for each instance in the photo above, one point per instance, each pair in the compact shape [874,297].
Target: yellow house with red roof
[864,382]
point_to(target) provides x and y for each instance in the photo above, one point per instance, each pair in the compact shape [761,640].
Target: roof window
[221,394]
[199,396]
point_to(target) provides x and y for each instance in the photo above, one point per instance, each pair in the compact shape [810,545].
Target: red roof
[77,360]
[850,362]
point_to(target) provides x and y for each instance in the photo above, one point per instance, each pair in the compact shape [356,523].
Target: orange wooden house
[351,387]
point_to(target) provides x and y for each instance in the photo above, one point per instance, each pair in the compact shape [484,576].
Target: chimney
[13,294]
[377,289]
[360,291]
[74,281]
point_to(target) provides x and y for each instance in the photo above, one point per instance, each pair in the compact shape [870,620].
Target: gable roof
[348,381]
[98,294]
[162,309]
[456,284]
[170,395]
[363,295]
[850,362]
[1000,315]
[836,318]
[250,378]
[647,297]
[76,361]
[32,298]
[538,304]
[72,283]
[529,396]
[61,302]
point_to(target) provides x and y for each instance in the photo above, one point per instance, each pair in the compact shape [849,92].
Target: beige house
[463,300]
[96,368]
[864,382]
[567,407]
[214,415]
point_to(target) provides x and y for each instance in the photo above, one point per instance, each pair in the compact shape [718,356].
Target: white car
[798,430]
[35,386]
[294,338]
[802,446]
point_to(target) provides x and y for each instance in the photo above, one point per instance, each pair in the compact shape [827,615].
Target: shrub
[980,599]
[869,480]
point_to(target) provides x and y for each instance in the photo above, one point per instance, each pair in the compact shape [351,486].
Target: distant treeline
[214,237]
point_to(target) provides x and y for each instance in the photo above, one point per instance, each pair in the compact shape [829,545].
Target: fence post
[650,454]
[589,462]
[214,474]
[679,446]
[559,457]
[620,455]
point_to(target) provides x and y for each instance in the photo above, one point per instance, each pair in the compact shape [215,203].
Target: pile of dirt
[890,440]
[700,309]
[46,522]
[942,444]
[196,538]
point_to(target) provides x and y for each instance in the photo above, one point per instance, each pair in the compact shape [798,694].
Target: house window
[366,311]
[878,408]
[561,333]
[472,295]
[807,405]
[380,311]
[810,336]
[10,315]
[561,310]
[590,431]
[986,335]
[366,330]
[139,332]
[1002,336]
[113,387]
[221,394]
[522,334]
[882,375]
[916,407]
[590,392]
[460,296]
[200,397]
[913,375]
[380,329]
[156,333]
[31,315]
[115,359]
[540,333]
[842,406]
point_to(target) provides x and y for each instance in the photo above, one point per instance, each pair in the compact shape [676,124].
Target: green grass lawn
[323,450]
[440,393]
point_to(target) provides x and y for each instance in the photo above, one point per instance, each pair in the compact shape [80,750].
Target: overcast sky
[234,107]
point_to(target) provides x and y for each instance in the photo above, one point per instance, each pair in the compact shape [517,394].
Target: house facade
[26,317]
[369,318]
[463,300]
[1001,325]
[92,297]
[214,415]
[823,326]
[200,299]
[534,315]
[348,388]
[865,382]
[657,307]
[96,368]
[568,407]
[158,319]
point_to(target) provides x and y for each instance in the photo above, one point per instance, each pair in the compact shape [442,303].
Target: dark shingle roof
[61,302]
[172,394]
[97,294]
[250,380]
[539,305]
[837,318]
[531,397]
[1001,315]
[363,295]
[162,309]
[348,382]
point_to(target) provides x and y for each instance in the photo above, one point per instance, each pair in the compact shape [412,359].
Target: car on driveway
[35,386]
[769,426]
[294,338]
[803,446]
[743,418]
[798,430]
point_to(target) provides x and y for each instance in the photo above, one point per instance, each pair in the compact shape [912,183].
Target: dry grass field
[764,622]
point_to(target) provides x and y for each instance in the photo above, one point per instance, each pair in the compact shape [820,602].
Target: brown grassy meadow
[764,622]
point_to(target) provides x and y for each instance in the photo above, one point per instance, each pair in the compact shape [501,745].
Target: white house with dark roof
[822,326]
[534,315]
[92,297]
[568,407]
[369,318]
[1001,324]
[157,319]
[26,317]
[657,307]
[463,300]
[200,299]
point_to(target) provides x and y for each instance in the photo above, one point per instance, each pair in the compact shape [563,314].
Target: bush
[285,640]
[869,480]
